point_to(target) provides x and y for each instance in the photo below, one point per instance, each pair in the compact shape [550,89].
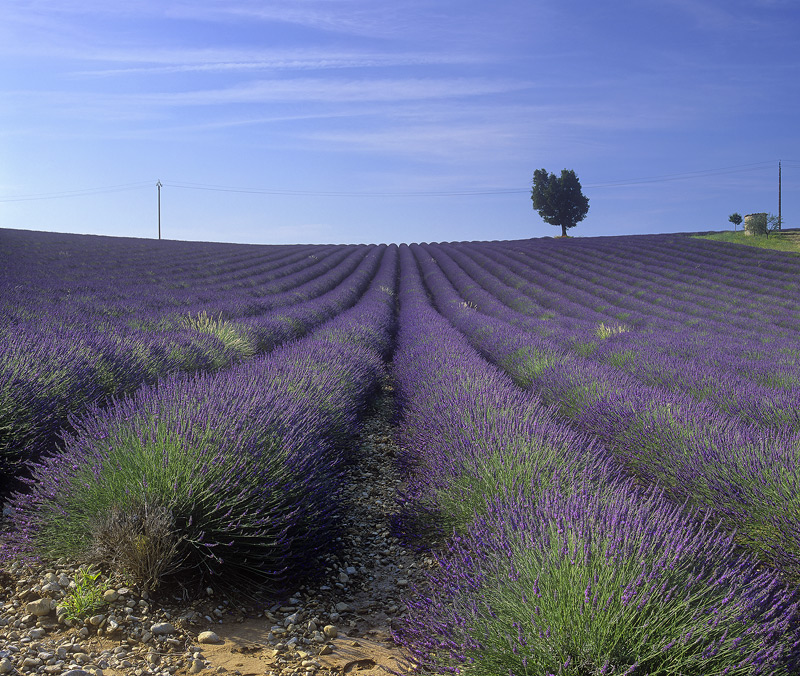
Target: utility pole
[780,222]
[158,185]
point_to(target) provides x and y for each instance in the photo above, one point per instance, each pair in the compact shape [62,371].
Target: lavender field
[599,435]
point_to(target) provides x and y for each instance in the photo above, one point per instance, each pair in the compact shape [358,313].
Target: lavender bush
[232,476]
[79,331]
[623,583]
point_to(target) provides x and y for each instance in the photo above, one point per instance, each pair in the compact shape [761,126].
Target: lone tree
[736,219]
[559,201]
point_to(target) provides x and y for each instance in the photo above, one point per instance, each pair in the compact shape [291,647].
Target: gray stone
[209,637]
[76,672]
[37,633]
[6,666]
[162,628]
[330,631]
[342,607]
[197,667]
[40,607]
[110,595]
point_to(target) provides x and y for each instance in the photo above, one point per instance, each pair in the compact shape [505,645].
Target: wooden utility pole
[780,222]
[158,185]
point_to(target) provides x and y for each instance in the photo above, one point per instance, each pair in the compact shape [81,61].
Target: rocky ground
[341,624]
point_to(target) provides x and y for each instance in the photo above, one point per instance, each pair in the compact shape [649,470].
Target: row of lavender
[82,323]
[229,478]
[559,562]
[743,466]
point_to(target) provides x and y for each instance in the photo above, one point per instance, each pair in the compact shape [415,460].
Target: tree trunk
[563,230]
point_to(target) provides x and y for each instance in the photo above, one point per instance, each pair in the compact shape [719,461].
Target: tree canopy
[559,200]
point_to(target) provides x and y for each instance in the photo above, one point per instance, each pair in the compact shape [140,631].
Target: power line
[77,193]
[332,193]
[705,173]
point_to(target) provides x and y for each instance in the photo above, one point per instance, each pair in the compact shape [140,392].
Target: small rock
[342,607]
[330,631]
[402,582]
[344,578]
[76,672]
[110,595]
[209,637]
[6,666]
[40,607]
[162,628]
[197,667]
[37,633]
[96,620]
[325,650]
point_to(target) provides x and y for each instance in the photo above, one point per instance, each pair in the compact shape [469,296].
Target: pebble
[197,667]
[41,607]
[209,637]
[330,631]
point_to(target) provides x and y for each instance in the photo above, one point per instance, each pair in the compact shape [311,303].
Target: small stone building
[755,224]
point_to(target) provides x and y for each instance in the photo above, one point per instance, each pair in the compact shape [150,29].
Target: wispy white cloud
[296,90]
[352,17]
[148,60]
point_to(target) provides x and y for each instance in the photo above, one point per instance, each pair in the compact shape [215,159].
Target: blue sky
[410,120]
